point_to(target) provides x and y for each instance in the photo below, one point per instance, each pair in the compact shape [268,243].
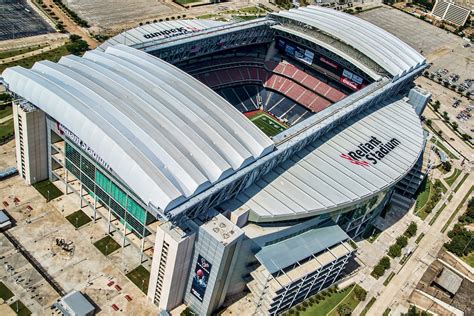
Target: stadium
[217,147]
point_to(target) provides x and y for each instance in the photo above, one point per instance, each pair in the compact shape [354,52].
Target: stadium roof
[160,30]
[165,134]
[319,179]
[300,247]
[388,51]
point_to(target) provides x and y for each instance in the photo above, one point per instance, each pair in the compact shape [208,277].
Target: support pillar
[142,247]
[124,228]
[95,208]
[80,194]
[67,189]
[108,221]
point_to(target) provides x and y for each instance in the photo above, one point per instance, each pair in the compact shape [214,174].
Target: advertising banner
[281,44]
[290,50]
[352,76]
[200,278]
[308,57]
[349,83]
[328,62]
[299,53]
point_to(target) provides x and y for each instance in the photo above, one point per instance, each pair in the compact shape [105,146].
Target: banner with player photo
[200,278]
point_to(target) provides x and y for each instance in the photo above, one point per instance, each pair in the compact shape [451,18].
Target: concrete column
[95,208]
[108,222]
[80,193]
[142,248]
[65,173]
[124,228]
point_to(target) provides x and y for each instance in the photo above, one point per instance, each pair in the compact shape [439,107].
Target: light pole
[48,197]
[76,222]
[106,250]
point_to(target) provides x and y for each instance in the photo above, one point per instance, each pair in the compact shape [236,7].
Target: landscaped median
[140,276]
[107,245]
[428,196]
[78,219]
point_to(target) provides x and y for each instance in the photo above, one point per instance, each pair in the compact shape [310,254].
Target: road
[403,283]
[70,26]
[34,52]
[460,146]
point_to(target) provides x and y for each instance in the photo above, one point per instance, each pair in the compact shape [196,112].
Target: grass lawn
[350,300]
[419,238]
[6,129]
[107,245]
[267,124]
[375,234]
[18,51]
[389,278]
[469,259]
[46,186]
[140,277]
[8,110]
[461,182]
[423,195]
[451,179]
[457,210]
[368,306]
[186,1]
[441,185]
[78,218]
[5,292]
[327,303]
[20,309]
[52,55]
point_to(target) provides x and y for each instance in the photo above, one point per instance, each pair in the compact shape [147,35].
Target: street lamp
[48,197]
[106,250]
[76,222]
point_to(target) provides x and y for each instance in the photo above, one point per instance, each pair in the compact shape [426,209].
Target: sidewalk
[403,283]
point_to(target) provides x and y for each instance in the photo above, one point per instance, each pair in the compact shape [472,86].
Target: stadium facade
[236,156]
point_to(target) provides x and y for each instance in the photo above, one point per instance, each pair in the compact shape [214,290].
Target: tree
[394,251]
[411,230]
[436,105]
[402,241]
[446,116]
[429,122]
[447,166]
[360,293]
[466,137]
[455,126]
[378,271]
[385,262]
[344,310]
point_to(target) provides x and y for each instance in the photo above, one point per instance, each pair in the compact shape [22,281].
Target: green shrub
[394,251]
[402,241]
[360,293]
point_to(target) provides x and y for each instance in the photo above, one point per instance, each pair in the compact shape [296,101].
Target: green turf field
[267,124]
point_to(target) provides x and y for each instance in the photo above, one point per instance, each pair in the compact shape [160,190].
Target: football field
[267,124]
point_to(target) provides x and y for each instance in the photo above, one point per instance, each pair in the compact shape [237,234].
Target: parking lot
[19,20]
[448,103]
[445,50]
[38,227]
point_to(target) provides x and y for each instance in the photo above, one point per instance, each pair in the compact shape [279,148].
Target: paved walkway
[6,118]
[70,25]
[402,284]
